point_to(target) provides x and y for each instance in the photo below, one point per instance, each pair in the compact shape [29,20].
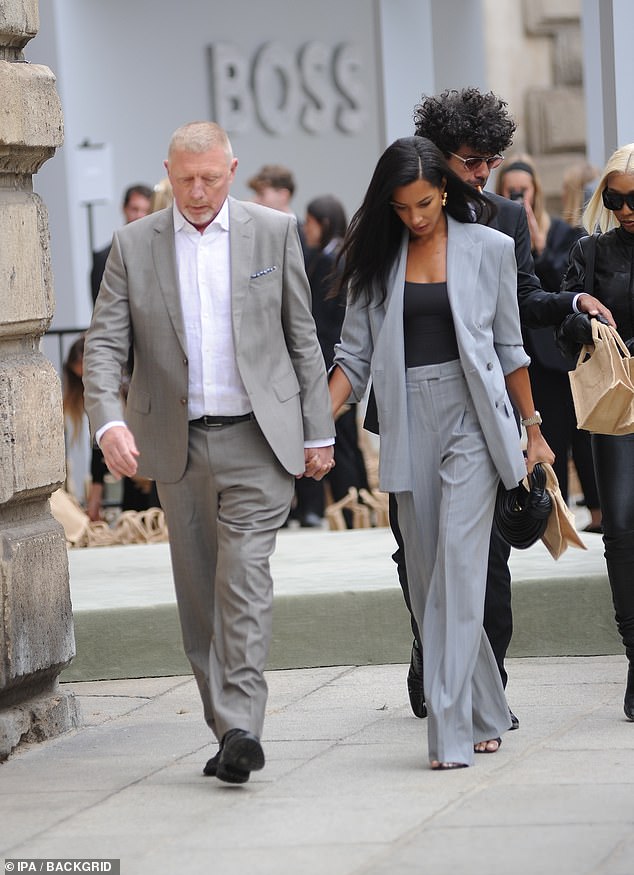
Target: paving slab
[346,789]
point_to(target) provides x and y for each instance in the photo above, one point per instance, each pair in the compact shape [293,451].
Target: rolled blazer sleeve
[506,324]
[354,351]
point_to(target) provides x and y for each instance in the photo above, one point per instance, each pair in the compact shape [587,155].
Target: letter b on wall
[231,96]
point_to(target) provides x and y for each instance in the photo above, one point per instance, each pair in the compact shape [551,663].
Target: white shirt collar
[221,220]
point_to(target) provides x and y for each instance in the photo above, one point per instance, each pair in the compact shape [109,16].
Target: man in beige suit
[228,402]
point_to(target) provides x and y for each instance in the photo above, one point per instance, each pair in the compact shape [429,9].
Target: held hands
[319,461]
[119,450]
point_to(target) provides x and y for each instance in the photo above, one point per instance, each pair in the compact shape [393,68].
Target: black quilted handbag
[521,514]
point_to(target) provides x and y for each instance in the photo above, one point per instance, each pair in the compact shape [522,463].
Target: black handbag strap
[589,252]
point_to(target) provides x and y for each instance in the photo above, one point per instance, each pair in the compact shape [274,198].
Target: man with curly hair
[473,129]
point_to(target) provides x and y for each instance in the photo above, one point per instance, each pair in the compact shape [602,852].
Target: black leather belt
[217,421]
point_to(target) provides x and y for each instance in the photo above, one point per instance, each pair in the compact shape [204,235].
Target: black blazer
[551,267]
[538,307]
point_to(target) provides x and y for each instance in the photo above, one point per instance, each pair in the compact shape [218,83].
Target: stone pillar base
[44,716]
[36,629]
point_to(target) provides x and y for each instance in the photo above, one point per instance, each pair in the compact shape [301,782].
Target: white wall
[608,27]
[130,73]
[407,53]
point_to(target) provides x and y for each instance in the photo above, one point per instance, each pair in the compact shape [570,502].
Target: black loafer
[415,688]
[240,754]
[211,766]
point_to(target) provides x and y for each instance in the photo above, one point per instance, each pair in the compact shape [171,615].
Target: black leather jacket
[613,281]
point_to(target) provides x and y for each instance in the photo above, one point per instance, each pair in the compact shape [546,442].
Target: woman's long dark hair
[374,236]
[328,211]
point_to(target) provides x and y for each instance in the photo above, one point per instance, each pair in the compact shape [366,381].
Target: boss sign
[318,89]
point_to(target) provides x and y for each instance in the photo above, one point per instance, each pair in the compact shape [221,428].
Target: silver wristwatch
[535,419]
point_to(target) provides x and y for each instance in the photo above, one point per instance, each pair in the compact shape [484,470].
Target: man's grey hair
[200,137]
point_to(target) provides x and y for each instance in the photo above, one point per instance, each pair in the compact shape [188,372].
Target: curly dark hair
[466,117]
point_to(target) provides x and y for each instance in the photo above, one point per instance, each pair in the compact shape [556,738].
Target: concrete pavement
[346,789]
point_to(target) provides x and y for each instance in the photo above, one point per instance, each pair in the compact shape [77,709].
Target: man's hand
[120,452]
[593,307]
[319,461]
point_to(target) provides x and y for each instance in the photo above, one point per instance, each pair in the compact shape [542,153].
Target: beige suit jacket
[278,355]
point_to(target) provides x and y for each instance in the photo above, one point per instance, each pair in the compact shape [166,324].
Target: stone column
[36,631]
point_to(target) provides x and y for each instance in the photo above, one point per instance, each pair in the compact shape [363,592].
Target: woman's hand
[537,449]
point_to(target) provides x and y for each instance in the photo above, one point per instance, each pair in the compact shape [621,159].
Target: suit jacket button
[183,400]
[185,361]
[489,366]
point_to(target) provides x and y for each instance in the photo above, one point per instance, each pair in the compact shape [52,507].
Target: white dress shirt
[203,264]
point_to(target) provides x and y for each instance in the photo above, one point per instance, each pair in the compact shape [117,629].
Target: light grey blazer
[278,355]
[482,291]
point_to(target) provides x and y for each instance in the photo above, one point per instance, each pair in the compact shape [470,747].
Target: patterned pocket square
[263,272]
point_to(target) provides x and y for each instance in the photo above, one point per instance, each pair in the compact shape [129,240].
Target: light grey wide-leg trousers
[446,525]
[223,517]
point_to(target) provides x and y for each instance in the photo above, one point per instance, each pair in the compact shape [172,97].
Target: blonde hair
[200,137]
[162,195]
[515,162]
[574,187]
[595,214]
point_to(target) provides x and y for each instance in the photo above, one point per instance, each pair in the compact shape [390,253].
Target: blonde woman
[610,213]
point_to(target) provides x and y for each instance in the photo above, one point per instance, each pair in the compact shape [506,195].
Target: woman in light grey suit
[433,319]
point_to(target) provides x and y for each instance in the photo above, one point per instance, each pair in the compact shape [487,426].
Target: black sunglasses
[613,200]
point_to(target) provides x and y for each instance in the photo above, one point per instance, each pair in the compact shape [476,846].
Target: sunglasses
[612,200]
[473,163]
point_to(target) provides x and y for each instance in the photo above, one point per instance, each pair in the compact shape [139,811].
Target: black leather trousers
[614,469]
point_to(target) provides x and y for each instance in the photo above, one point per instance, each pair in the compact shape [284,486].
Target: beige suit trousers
[223,517]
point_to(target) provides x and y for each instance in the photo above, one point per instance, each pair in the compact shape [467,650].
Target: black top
[328,312]
[430,336]
[98,266]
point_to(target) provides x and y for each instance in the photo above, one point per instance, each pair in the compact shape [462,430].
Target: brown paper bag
[560,530]
[602,383]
